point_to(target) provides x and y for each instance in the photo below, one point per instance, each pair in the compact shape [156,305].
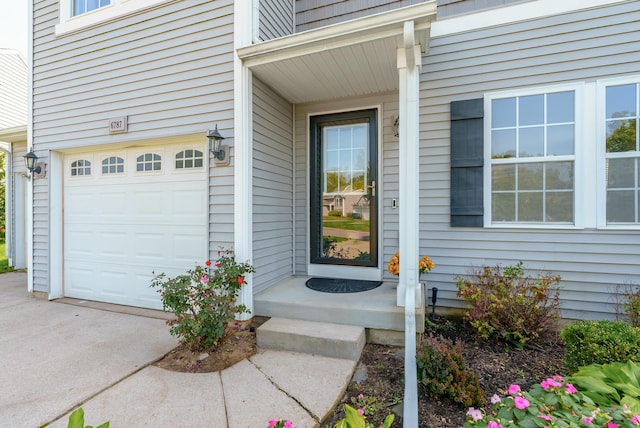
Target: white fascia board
[13,134]
[510,14]
[381,25]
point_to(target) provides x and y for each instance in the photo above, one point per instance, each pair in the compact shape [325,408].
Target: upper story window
[189,159]
[80,167]
[148,162]
[84,6]
[622,153]
[113,165]
[532,152]
[74,14]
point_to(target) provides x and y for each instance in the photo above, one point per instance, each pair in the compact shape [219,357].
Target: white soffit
[352,58]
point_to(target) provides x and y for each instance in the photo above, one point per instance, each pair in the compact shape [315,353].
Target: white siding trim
[29,205]
[243,150]
[509,14]
[56,228]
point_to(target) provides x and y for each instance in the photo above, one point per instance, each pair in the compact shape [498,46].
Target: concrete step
[311,337]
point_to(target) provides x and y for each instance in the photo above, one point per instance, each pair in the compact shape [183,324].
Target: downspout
[30,144]
[409,60]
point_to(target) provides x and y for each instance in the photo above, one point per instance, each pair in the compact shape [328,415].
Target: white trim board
[510,14]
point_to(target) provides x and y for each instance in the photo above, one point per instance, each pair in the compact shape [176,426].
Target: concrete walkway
[57,357]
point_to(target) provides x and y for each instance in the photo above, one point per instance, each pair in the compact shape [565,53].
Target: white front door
[129,213]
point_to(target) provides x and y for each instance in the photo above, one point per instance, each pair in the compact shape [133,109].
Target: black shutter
[467,159]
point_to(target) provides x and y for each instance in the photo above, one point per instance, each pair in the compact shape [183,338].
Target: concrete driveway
[55,356]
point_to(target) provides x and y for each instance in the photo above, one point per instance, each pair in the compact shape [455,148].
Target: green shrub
[510,305]
[611,385]
[599,342]
[442,371]
[203,300]
[630,302]
[335,213]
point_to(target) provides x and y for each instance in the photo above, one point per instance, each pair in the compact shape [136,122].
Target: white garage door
[129,213]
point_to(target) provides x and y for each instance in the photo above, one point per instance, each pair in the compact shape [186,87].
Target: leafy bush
[630,302]
[335,213]
[356,419]
[599,342]
[611,385]
[442,371]
[553,403]
[76,420]
[508,304]
[203,300]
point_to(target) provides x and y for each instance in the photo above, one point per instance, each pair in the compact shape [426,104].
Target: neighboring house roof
[13,89]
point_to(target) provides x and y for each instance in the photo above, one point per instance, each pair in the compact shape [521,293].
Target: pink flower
[545,417]
[586,420]
[521,403]
[204,279]
[495,399]
[240,280]
[361,395]
[514,389]
[493,424]
[612,425]
[549,382]
[635,420]
[288,424]
[361,411]
[272,423]
[476,414]
[570,389]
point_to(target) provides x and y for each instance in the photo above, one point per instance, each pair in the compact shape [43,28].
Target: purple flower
[495,399]
[476,414]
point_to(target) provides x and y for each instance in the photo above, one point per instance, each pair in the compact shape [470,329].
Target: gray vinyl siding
[272,187]
[168,68]
[388,188]
[576,47]
[447,8]
[312,14]
[276,18]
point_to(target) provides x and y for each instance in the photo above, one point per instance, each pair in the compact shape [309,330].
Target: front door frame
[373,273]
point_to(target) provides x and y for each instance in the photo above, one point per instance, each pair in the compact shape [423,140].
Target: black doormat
[338,285]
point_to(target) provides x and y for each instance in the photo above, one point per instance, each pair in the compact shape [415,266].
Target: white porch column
[243,149]
[409,61]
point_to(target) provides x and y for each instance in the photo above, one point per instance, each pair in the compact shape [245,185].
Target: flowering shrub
[424,264]
[203,300]
[553,403]
[280,423]
[511,305]
[356,419]
[442,371]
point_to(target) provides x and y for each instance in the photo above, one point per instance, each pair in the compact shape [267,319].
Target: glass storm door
[344,217]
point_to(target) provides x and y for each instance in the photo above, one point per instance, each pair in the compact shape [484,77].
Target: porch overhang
[353,58]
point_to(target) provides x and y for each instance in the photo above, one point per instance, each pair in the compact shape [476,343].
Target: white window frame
[601,151]
[117,9]
[578,157]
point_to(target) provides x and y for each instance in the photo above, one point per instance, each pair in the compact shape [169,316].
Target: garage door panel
[118,230]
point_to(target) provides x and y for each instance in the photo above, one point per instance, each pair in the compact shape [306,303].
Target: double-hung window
[83,6]
[621,143]
[532,157]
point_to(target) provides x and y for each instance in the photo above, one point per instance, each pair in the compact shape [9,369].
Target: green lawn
[4,263]
[345,223]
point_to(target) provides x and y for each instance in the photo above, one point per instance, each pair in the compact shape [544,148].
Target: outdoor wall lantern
[31,162]
[216,148]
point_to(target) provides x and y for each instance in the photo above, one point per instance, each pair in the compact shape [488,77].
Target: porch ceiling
[348,59]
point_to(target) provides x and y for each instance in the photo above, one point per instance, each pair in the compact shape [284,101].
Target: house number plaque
[118,125]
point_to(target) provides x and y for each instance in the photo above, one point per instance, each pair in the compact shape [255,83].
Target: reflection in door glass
[346,192]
